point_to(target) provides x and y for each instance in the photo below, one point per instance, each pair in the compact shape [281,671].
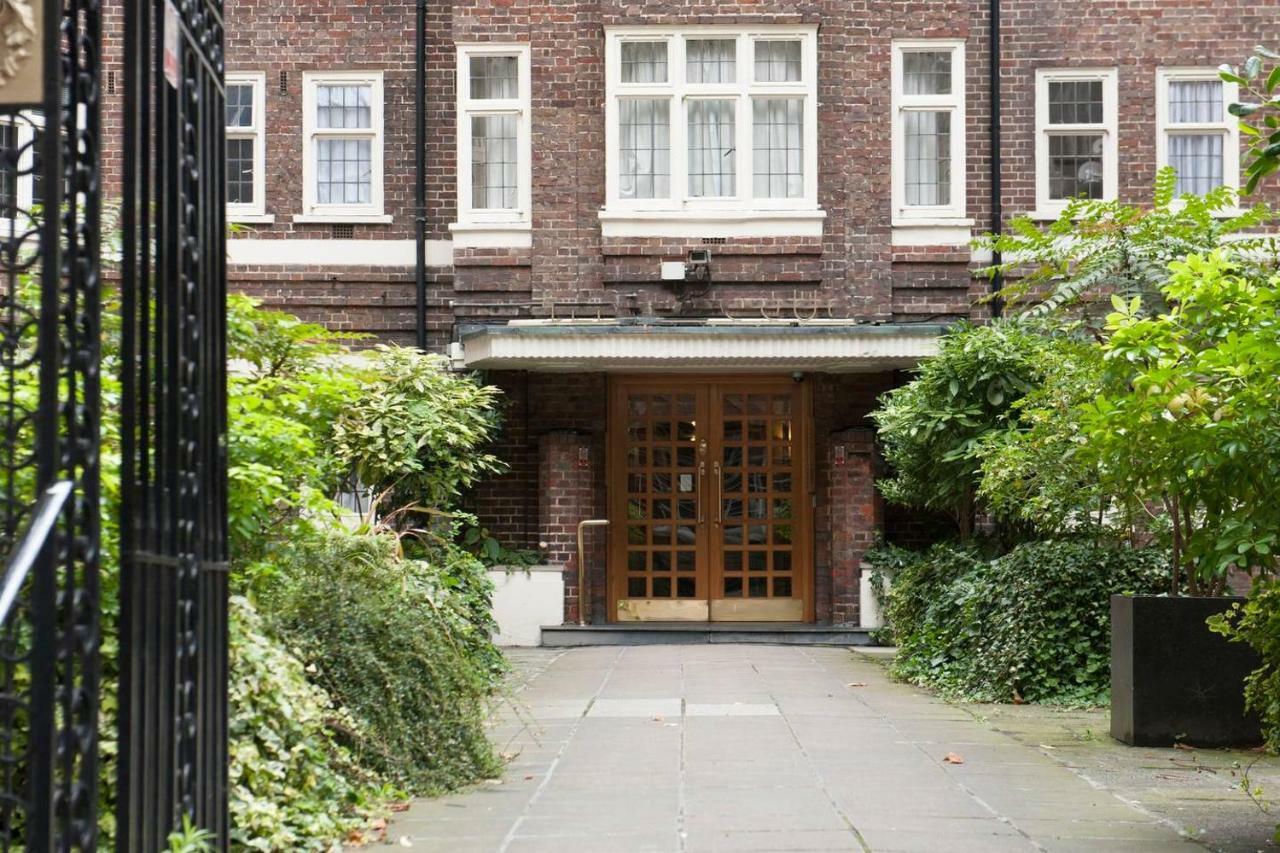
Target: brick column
[567,470]
[856,517]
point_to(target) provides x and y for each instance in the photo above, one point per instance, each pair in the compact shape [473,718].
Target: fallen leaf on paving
[1184,746]
[399,807]
[1047,746]
[952,758]
[856,684]
[406,841]
[657,719]
[527,778]
[379,823]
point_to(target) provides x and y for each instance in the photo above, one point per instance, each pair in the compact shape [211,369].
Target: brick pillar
[856,517]
[567,470]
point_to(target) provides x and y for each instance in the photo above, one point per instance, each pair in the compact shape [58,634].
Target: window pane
[644,62]
[927,147]
[710,60]
[778,147]
[240,171]
[1075,102]
[926,72]
[711,148]
[344,171]
[777,61]
[1195,101]
[8,170]
[494,77]
[493,162]
[1075,165]
[644,148]
[344,106]
[1198,159]
[239,105]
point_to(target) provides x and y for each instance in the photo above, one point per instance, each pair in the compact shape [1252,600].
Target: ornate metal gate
[172,749]
[49,342]
[173,596]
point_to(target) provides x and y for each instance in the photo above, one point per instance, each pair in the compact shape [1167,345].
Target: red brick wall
[852,270]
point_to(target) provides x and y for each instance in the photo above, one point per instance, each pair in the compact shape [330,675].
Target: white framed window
[1076,136]
[21,182]
[246,147]
[495,173]
[1194,132]
[712,126]
[342,163]
[928,103]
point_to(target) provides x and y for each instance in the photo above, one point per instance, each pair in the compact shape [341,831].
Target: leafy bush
[1096,248]
[293,786]
[402,644]
[1188,420]
[1257,622]
[1032,625]
[418,430]
[932,429]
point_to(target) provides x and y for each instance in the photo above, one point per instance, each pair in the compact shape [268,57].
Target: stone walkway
[762,748]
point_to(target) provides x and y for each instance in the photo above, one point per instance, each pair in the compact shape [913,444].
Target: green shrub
[293,787]
[1032,625]
[402,645]
[1257,622]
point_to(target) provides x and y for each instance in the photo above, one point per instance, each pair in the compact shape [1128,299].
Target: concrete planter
[1172,679]
[524,599]
[870,615]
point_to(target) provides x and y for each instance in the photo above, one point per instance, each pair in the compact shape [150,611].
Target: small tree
[1096,248]
[1189,418]
[933,429]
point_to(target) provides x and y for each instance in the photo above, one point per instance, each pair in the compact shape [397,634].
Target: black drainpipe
[997,209]
[420,174]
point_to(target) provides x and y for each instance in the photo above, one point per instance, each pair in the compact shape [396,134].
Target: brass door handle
[702,508]
[715,472]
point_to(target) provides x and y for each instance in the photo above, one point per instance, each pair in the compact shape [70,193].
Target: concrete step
[671,633]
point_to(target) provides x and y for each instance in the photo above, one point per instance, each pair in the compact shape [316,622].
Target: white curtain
[710,60]
[711,148]
[927,143]
[644,148]
[777,147]
[1198,159]
[644,62]
[777,61]
[1192,101]
[493,162]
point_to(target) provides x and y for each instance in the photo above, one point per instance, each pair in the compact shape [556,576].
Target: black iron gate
[173,617]
[49,522]
[173,596]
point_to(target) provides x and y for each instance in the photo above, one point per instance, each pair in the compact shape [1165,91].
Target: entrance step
[673,633]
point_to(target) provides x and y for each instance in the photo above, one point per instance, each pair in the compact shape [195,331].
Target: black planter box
[1175,681]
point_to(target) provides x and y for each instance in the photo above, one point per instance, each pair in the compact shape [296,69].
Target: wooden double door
[710,503]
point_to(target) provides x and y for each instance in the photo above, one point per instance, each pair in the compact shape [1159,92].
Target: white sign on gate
[172,35]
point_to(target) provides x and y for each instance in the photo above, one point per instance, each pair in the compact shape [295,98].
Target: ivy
[1032,625]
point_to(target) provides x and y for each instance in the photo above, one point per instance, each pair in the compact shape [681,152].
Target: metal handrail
[32,543]
[584,601]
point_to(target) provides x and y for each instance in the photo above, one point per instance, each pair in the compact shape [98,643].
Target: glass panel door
[708,500]
[663,538]
[755,565]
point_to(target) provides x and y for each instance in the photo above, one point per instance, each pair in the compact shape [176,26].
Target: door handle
[715,472]
[702,507]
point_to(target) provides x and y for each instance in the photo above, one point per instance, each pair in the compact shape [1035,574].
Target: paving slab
[779,748]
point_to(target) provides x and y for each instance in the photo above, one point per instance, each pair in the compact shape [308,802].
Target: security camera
[797,376]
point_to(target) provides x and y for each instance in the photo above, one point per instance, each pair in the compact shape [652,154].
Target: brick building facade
[833,158]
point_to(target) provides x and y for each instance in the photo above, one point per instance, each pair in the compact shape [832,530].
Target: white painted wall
[525,599]
[869,615]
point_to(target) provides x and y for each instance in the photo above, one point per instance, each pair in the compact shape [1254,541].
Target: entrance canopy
[578,345]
